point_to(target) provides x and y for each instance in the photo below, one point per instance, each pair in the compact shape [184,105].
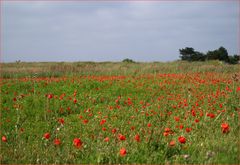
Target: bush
[234,59]
[128,60]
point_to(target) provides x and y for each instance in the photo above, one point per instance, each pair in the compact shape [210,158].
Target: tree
[189,54]
[218,54]
[212,55]
[234,59]
[127,60]
[223,54]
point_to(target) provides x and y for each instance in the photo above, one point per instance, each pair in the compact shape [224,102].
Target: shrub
[128,60]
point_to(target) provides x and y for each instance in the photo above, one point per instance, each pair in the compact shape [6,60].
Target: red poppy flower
[102,122]
[106,139]
[50,96]
[238,89]
[85,121]
[47,135]
[77,142]
[181,126]
[114,130]
[182,139]
[172,143]
[149,124]
[188,130]
[121,137]
[176,118]
[104,129]
[137,138]
[4,138]
[225,128]
[211,115]
[57,142]
[197,120]
[167,131]
[61,121]
[123,152]
[74,101]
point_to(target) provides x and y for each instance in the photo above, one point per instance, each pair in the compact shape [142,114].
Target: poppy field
[151,117]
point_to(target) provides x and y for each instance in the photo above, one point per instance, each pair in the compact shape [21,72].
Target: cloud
[111,31]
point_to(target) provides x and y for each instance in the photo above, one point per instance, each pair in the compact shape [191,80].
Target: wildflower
[188,130]
[57,142]
[61,121]
[137,138]
[182,139]
[238,89]
[4,138]
[211,115]
[50,96]
[176,118]
[180,126]
[74,100]
[104,129]
[167,131]
[77,142]
[106,139]
[225,128]
[47,135]
[102,121]
[197,120]
[172,143]
[121,137]
[85,121]
[114,130]
[123,152]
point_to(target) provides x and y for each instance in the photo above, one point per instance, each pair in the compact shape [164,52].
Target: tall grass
[56,69]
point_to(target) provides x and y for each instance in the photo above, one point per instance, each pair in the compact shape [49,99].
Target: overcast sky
[112,31]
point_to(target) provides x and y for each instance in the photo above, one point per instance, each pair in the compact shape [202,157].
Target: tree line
[189,54]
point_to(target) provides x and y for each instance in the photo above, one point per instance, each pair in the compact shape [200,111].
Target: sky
[144,31]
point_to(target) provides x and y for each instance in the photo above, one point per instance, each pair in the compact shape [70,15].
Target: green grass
[147,93]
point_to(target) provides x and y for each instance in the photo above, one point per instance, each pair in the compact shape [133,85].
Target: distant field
[58,69]
[85,112]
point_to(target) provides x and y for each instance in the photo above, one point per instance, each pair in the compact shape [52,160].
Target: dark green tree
[212,55]
[234,59]
[218,54]
[223,54]
[127,60]
[189,54]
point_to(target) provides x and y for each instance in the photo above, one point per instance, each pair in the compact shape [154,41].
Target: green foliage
[127,60]
[234,59]
[221,54]
[189,54]
[218,54]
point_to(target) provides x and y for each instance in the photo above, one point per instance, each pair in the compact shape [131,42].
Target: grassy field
[85,112]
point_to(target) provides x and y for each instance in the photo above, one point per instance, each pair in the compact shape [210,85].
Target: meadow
[115,112]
